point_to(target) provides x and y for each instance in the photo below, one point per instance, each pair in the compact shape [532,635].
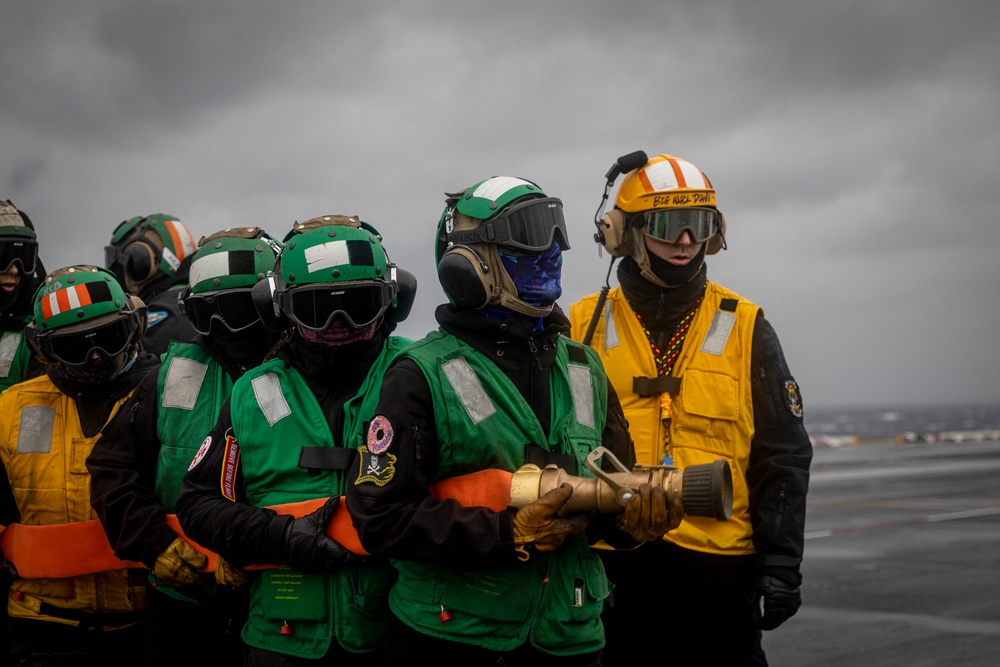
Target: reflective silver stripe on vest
[581,384]
[718,333]
[470,391]
[37,424]
[271,400]
[8,348]
[610,330]
[183,383]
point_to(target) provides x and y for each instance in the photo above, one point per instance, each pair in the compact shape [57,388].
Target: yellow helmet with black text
[651,195]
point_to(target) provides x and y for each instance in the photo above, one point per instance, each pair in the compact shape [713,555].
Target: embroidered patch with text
[230,462]
[377,469]
[379,435]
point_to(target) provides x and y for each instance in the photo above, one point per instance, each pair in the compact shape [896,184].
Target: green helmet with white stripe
[331,249]
[231,259]
[224,269]
[333,267]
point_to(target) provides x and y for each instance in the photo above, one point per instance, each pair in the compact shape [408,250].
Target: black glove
[309,549]
[781,599]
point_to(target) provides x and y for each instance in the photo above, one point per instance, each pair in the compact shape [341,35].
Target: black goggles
[357,304]
[668,224]
[530,226]
[74,349]
[22,251]
[234,309]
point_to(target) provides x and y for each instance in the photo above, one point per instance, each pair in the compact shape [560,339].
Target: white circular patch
[200,454]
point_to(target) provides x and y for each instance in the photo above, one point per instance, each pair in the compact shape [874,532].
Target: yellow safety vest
[44,450]
[712,409]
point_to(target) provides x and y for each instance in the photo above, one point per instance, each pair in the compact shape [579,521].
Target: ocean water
[834,425]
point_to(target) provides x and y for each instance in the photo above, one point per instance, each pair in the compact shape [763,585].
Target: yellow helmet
[665,181]
[668,182]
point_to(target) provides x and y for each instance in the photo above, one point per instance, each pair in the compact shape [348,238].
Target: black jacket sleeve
[122,469]
[241,533]
[400,519]
[780,455]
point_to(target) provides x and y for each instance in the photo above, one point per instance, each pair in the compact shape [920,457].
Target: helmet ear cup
[139,261]
[32,336]
[262,295]
[614,233]
[466,278]
[406,286]
[718,241]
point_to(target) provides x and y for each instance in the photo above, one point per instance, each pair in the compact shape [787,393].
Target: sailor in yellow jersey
[701,376]
[87,332]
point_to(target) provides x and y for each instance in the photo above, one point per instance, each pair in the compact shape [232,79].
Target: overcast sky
[854,145]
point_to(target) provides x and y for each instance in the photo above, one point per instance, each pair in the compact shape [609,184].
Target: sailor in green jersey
[290,432]
[138,464]
[499,384]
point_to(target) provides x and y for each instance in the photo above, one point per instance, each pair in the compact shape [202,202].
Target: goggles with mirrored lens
[234,309]
[668,224]
[22,251]
[357,304]
[75,348]
[531,225]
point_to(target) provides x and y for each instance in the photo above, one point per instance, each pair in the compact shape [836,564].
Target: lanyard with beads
[665,360]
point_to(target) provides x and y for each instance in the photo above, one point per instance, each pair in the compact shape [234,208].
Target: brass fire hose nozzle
[703,490]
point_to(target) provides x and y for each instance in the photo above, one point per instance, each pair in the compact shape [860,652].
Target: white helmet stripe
[494,188]
[181,235]
[663,176]
[327,255]
[209,266]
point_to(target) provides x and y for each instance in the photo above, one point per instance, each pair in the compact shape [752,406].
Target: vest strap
[644,386]
[39,552]
[326,458]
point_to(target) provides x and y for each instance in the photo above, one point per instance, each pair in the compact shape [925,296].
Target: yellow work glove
[179,563]
[227,574]
[540,526]
[647,516]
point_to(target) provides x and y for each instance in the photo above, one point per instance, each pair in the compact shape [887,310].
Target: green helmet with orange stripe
[81,308]
[145,247]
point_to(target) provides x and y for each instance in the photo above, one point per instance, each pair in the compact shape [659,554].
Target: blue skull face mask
[536,277]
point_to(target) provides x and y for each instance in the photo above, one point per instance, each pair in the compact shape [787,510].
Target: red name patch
[230,462]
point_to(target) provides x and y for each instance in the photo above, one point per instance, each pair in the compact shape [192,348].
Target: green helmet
[232,259]
[225,268]
[340,251]
[81,308]
[145,246]
[18,242]
[502,210]
[81,294]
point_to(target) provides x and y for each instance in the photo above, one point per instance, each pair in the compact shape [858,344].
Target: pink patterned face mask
[337,334]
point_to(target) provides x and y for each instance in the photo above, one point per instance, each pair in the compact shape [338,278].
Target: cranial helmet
[502,211]
[18,243]
[662,198]
[334,267]
[145,247]
[224,269]
[80,309]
